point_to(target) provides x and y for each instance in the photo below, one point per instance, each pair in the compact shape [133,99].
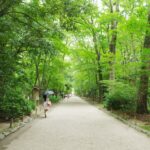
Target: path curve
[76,125]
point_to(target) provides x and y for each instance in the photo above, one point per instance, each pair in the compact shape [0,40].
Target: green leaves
[14,105]
[120,97]
[40,40]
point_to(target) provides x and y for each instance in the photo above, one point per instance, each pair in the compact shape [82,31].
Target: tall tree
[114,8]
[142,99]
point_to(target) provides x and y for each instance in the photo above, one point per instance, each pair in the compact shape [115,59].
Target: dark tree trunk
[144,78]
[113,40]
[11,122]
[112,49]
[142,95]
[99,69]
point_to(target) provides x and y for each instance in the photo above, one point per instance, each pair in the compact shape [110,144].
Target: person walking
[46,104]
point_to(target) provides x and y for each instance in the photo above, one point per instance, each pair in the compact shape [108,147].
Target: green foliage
[14,106]
[31,48]
[55,99]
[120,97]
[146,127]
[36,37]
[28,106]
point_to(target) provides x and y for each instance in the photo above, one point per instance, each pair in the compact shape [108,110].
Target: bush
[28,106]
[121,97]
[14,106]
[10,109]
[55,99]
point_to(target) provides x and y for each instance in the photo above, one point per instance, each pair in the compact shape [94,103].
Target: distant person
[66,96]
[46,104]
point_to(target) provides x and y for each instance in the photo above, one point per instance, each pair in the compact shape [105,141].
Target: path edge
[110,113]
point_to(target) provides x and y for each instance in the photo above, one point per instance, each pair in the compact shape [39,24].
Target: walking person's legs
[45,113]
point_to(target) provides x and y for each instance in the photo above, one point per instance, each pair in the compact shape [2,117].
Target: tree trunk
[99,70]
[144,78]
[112,44]
[112,49]
[11,122]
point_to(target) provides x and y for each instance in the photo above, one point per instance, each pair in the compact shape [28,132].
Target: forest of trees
[112,55]
[100,48]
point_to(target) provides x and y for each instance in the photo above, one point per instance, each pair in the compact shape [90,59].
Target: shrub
[10,109]
[14,106]
[121,97]
[28,106]
[32,104]
[55,99]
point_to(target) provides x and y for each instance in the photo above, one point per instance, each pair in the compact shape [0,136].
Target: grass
[145,127]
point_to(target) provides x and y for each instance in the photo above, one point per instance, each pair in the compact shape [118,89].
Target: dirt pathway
[77,125]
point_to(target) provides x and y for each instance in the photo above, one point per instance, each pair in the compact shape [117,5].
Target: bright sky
[26,1]
[98,2]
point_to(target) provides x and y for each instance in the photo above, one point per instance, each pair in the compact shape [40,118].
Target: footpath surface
[76,125]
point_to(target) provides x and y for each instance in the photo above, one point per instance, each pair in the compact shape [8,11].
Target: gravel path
[76,125]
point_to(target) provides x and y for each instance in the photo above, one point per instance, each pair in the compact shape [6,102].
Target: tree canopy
[93,47]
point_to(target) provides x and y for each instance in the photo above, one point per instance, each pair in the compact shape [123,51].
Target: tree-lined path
[76,125]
